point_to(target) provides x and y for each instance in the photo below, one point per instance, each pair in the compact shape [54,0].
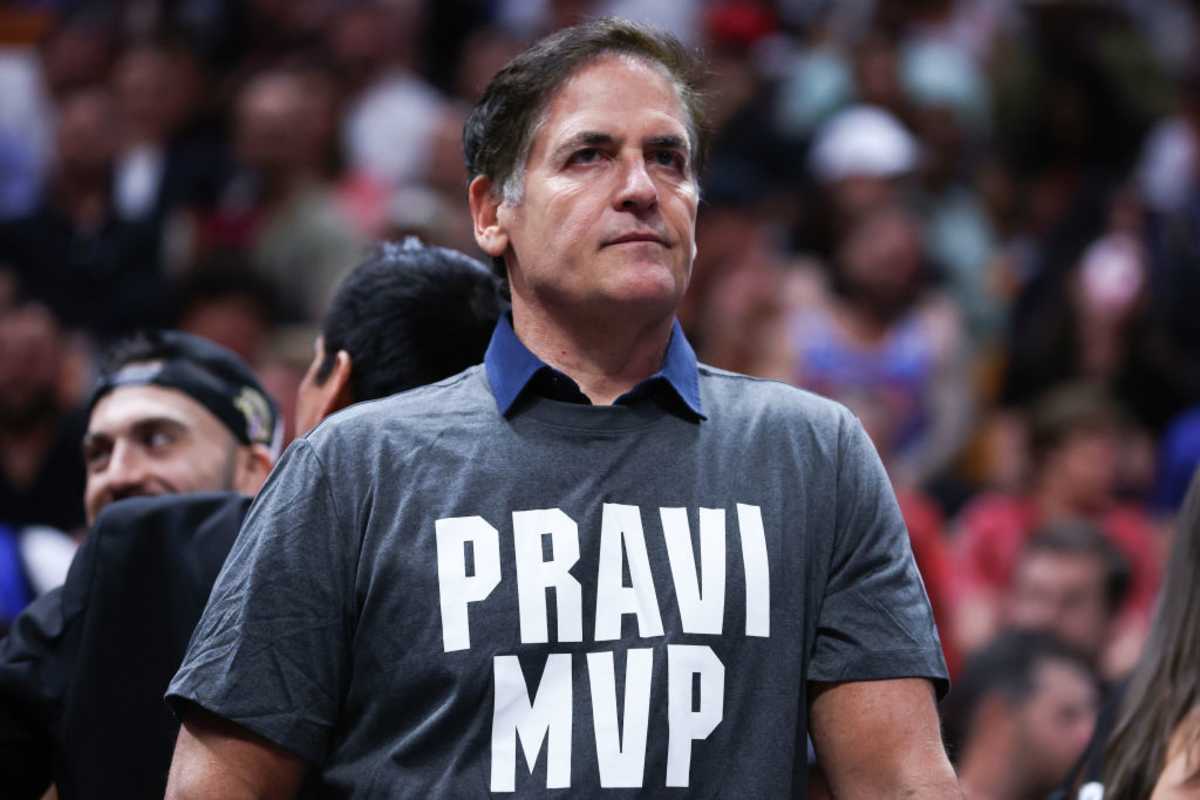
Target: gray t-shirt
[429,599]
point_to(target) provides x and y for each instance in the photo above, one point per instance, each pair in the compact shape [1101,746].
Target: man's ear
[336,392]
[490,235]
[253,468]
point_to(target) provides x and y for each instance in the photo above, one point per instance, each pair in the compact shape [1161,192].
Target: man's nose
[126,471]
[638,192]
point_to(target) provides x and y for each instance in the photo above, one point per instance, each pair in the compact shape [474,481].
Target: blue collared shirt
[512,369]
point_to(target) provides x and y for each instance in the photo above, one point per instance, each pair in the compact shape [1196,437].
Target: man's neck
[606,360]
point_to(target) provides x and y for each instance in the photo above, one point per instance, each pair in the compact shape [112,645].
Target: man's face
[608,210]
[149,440]
[271,126]
[1087,463]
[1062,593]
[1055,724]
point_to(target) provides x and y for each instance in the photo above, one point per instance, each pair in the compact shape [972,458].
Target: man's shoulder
[727,393]
[459,396]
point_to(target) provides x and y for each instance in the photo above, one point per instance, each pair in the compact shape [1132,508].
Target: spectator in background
[1071,581]
[224,301]
[95,271]
[392,113]
[82,677]
[860,158]
[1019,716]
[732,305]
[41,476]
[1154,750]
[877,338]
[278,207]
[1099,326]
[174,413]
[166,160]
[1074,441]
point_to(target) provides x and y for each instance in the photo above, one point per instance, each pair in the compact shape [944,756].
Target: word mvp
[700,596]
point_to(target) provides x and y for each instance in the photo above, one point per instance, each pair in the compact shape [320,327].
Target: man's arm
[216,758]
[881,739]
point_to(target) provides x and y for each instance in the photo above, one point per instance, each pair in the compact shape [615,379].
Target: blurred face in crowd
[608,211]
[75,55]
[1064,594]
[273,134]
[85,139]
[1054,724]
[31,356]
[147,89]
[358,42]
[881,258]
[151,440]
[1085,465]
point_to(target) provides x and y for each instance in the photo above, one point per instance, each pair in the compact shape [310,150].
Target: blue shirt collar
[510,366]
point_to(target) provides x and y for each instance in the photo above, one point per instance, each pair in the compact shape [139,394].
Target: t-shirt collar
[511,366]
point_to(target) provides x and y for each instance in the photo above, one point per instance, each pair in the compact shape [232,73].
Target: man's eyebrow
[138,426]
[161,421]
[91,440]
[584,139]
[668,142]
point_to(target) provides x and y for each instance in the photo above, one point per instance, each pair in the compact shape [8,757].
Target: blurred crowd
[974,222]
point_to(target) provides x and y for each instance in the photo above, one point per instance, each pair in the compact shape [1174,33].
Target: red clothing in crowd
[926,532]
[994,529]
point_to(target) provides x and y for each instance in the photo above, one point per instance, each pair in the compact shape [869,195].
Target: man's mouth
[638,236]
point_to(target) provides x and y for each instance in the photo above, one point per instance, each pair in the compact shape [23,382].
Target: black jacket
[84,668]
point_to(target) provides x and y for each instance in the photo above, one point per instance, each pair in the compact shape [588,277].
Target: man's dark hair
[1068,410]
[409,315]
[499,132]
[1078,537]
[1008,665]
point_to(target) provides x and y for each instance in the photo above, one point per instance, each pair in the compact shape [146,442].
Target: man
[726,550]
[82,677]
[96,272]
[1019,716]
[1070,581]
[170,413]
[1075,439]
[175,413]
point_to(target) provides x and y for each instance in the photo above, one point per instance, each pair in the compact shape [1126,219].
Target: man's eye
[669,158]
[585,156]
[157,439]
[94,458]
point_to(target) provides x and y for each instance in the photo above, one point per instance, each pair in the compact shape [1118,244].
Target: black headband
[244,409]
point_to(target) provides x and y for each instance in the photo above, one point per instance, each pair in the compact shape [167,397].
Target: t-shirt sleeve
[874,621]
[270,651]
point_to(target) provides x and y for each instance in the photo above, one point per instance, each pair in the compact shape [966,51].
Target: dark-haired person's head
[1020,715]
[409,315]
[1074,437]
[1070,581]
[172,413]
[499,135]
